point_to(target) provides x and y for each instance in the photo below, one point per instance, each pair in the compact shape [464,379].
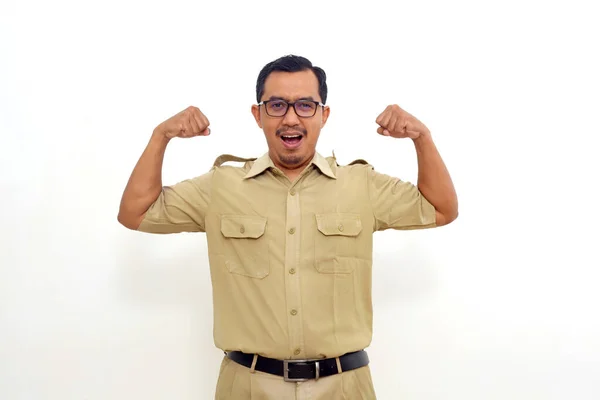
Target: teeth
[291,136]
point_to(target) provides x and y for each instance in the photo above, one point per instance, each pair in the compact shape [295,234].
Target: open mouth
[291,141]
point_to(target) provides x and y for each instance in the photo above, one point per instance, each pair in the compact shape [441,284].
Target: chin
[291,159]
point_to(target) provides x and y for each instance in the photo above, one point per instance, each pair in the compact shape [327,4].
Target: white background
[501,304]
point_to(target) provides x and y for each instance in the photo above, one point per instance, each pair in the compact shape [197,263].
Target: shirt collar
[263,163]
[323,165]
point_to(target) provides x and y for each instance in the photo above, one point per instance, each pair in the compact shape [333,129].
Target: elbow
[123,221]
[446,218]
[450,213]
[129,222]
[452,217]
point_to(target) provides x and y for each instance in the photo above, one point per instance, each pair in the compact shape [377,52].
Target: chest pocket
[245,249]
[337,244]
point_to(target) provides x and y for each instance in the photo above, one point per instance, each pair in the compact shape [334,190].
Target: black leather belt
[301,370]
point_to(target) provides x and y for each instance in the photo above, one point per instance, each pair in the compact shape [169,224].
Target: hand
[397,123]
[188,123]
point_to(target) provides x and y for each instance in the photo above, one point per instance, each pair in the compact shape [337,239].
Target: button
[242,229]
[293,192]
[293,312]
[292,271]
[296,352]
[292,231]
[341,227]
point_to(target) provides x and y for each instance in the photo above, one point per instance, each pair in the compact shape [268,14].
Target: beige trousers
[236,382]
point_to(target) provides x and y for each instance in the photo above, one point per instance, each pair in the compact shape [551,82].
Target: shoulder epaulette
[223,158]
[359,161]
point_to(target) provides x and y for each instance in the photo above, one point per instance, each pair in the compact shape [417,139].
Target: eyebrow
[284,99]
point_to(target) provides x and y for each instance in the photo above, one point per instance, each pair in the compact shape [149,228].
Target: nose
[291,118]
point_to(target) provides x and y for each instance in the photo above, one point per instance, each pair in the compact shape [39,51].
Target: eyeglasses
[303,108]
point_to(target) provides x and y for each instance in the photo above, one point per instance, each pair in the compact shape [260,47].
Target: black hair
[291,63]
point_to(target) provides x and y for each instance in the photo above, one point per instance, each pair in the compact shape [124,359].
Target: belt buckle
[286,376]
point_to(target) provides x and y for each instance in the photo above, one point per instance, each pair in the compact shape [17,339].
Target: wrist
[159,137]
[424,137]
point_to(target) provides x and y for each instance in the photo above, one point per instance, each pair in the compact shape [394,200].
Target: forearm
[145,183]
[434,180]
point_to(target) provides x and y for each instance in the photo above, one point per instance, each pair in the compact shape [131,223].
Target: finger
[385,120]
[205,121]
[204,124]
[202,121]
[187,128]
[180,128]
[391,126]
[206,132]
[403,125]
[383,131]
[196,116]
[379,118]
[194,125]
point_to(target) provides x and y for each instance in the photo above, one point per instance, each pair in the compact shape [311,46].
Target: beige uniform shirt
[290,262]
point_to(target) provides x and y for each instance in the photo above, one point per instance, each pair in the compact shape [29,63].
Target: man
[290,237]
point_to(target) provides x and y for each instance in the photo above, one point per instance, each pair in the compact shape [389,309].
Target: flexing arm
[434,180]
[145,183]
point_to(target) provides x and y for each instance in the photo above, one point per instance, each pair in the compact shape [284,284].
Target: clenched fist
[188,123]
[396,122]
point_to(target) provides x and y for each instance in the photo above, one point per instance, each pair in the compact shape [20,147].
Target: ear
[326,112]
[256,112]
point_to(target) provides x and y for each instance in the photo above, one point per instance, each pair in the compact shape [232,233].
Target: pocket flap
[336,265]
[243,226]
[341,224]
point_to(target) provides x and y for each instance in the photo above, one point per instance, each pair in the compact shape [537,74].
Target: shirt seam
[368,183]
[209,202]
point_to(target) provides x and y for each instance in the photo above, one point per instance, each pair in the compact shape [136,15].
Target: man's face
[285,148]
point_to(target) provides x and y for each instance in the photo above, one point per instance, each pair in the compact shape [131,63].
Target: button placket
[292,278]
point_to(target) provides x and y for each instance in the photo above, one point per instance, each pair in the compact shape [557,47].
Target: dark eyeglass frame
[293,104]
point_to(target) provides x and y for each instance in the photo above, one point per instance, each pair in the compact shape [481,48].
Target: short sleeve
[398,204]
[179,208]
